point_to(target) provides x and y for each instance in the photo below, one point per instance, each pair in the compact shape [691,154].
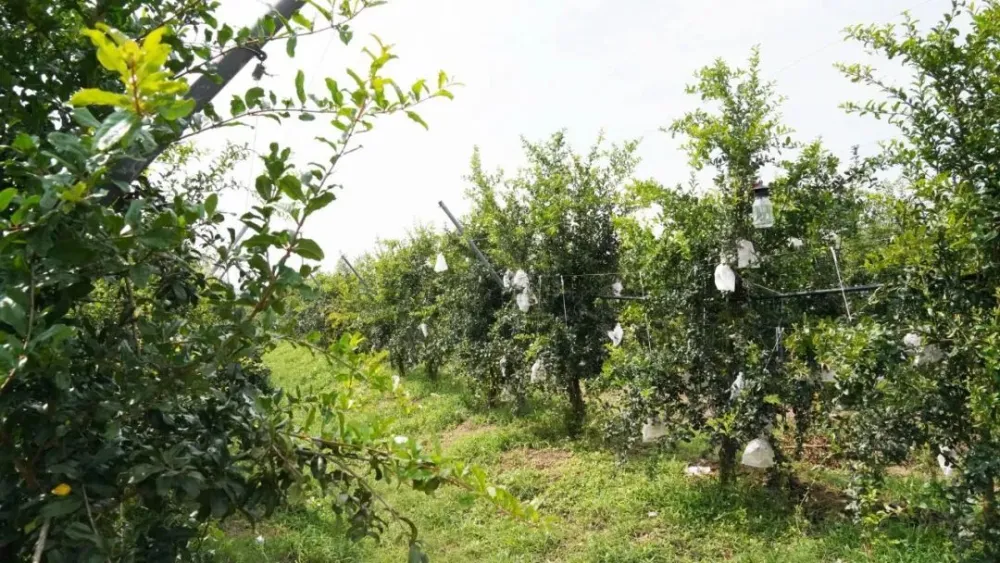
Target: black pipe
[479,253]
[202,92]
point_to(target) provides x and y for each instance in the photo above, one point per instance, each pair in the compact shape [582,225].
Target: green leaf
[225,34]
[269,26]
[418,87]
[298,18]
[307,248]
[24,142]
[446,94]
[85,118]
[211,202]
[176,109]
[6,197]
[326,13]
[114,129]
[56,333]
[97,97]
[263,187]
[772,400]
[292,187]
[61,507]
[290,45]
[260,241]
[300,86]
[254,96]
[442,79]
[237,107]
[320,201]
[306,117]
[345,34]
[361,83]
[13,314]
[335,93]
[134,213]
[416,117]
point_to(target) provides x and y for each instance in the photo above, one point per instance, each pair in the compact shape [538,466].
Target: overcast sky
[531,67]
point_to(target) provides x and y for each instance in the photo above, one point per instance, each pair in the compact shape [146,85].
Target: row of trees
[908,366]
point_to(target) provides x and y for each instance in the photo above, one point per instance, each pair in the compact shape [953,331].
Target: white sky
[533,67]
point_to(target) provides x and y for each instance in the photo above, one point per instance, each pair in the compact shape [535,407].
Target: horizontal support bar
[815,292]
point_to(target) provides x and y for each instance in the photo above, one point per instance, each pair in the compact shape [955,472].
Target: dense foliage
[134,411]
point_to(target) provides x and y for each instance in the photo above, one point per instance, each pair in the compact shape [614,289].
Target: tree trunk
[432,371]
[578,409]
[727,460]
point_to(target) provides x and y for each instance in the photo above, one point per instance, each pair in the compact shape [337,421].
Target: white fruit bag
[725,278]
[737,387]
[538,374]
[616,334]
[826,375]
[520,280]
[653,431]
[440,265]
[523,301]
[616,288]
[746,255]
[759,454]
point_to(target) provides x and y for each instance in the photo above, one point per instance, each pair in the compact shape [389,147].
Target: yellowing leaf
[155,52]
[153,40]
[107,52]
[98,97]
[62,489]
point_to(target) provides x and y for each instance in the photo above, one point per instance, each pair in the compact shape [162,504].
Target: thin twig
[40,544]
[90,515]
[298,227]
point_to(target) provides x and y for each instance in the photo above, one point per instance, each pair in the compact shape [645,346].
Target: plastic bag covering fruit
[725,278]
[616,334]
[746,256]
[523,301]
[440,265]
[423,329]
[759,454]
[616,288]
[653,431]
[538,374]
[520,280]
[737,387]
[826,375]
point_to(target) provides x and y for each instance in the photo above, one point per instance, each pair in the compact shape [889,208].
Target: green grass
[602,509]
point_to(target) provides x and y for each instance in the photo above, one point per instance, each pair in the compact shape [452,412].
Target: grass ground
[603,510]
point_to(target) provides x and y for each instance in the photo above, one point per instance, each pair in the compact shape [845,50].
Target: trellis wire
[847,305]
[562,283]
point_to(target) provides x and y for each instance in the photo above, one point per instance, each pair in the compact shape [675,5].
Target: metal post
[472,244]
[202,92]
[355,272]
